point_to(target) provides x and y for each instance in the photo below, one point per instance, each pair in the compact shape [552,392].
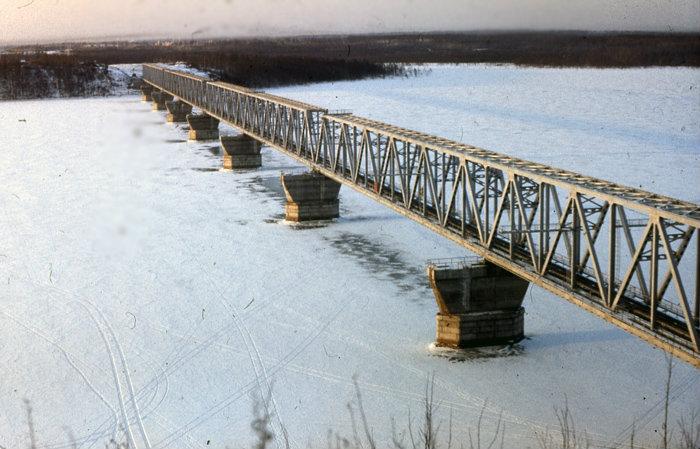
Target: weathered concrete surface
[203,127]
[479,305]
[159,100]
[177,111]
[480,328]
[241,151]
[310,196]
[146,91]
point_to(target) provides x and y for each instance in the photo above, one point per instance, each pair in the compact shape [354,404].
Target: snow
[184,67]
[130,262]
[121,76]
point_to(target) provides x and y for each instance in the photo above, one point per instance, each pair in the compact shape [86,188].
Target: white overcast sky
[29,21]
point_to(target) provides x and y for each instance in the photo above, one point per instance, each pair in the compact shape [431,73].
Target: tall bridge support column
[159,100]
[310,196]
[241,151]
[480,304]
[146,91]
[177,111]
[203,127]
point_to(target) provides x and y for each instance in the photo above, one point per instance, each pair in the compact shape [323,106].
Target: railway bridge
[626,255]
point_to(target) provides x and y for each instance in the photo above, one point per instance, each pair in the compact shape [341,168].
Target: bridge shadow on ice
[558,338]
[383,263]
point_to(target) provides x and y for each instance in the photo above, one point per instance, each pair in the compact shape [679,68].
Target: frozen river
[148,296]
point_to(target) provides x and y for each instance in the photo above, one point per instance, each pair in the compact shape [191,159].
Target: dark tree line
[29,72]
[244,65]
[85,73]
[47,75]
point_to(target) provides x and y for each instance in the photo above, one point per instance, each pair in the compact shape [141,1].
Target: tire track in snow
[248,341]
[115,373]
[150,403]
[127,375]
[230,399]
[52,288]
[118,386]
[656,409]
[190,354]
[301,369]
[277,367]
[255,356]
[69,358]
[251,347]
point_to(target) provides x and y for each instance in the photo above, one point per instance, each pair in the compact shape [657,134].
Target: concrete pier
[203,127]
[310,196]
[146,91]
[241,151]
[159,99]
[480,304]
[177,111]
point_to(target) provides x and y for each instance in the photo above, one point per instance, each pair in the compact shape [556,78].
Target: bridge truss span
[624,254]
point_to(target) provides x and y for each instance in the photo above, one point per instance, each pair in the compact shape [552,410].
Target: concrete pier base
[203,127]
[146,91]
[241,151]
[310,196]
[476,329]
[480,304]
[177,111]
[159,100]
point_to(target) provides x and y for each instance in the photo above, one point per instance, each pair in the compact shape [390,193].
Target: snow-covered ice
[142,284]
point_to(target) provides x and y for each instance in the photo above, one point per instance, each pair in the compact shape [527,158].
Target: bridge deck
[624,254]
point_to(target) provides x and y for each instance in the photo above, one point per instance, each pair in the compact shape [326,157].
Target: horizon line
[141,38]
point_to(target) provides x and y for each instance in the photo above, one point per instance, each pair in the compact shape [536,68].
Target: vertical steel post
[487,213]
[541,192]
[511,218]
[612,253]
[654,271]
[576,245]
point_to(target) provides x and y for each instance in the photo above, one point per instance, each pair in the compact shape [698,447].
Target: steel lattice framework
[626,255]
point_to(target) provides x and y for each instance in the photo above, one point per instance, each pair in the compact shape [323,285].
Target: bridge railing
[627,255]
[454,262]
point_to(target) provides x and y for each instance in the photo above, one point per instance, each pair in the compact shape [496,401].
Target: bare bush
[500,430]
[30,424]
[566,436]
[425,433]
[261,422]
[667,394]
[689,430]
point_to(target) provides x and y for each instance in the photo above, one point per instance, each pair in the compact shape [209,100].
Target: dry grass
[428,431]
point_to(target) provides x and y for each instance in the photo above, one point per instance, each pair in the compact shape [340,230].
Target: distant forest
[555,49]
[28,71]
[39,75]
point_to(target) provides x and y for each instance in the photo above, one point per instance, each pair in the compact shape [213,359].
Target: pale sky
[29,21]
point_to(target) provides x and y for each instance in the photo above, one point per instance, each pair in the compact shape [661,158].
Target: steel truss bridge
[629,256]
